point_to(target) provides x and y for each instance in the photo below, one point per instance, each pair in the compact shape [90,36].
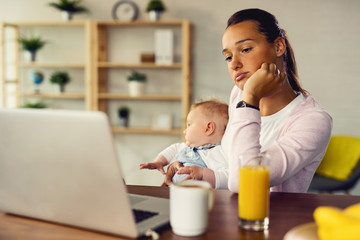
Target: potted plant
[68,8]
[34,105]
[31,45]
[123,113]
[155,8]
[60,78]
[136,82]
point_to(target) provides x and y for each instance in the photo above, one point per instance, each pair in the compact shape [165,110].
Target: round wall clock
[125,10]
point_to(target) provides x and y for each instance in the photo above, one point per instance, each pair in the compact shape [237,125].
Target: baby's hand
[153,165]
[194,172]
[265,82]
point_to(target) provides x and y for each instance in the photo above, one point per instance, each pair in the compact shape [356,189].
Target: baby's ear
[210,128]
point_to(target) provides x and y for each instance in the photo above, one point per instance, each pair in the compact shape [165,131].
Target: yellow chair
[340,167]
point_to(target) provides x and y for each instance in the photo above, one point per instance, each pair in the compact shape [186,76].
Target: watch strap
[243,104]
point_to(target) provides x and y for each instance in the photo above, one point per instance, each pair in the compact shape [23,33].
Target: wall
[324,35]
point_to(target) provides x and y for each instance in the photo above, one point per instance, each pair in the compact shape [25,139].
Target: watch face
[241,104]
[125,11]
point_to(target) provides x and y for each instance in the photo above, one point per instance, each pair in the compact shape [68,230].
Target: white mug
[190,203]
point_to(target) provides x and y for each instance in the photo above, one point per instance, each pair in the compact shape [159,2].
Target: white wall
[324,33]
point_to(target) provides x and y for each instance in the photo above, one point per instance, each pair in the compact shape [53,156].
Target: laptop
[61,166]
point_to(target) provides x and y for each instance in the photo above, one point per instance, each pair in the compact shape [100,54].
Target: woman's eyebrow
[238,42]
[244,40]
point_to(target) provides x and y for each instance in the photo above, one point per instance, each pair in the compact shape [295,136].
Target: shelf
[141,23]
[142,97]
[11,81]
[137,65]
[45,24]
[53,65]
[146,131]
[55,95]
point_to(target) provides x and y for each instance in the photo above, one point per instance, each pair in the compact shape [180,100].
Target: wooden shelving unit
[97,64]
[3,81]
[139,65]
[146,131]
[85,66]
[140,98]
[51,65]
[103,65]
[54,95]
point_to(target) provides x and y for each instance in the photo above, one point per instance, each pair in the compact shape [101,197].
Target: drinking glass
[254,177]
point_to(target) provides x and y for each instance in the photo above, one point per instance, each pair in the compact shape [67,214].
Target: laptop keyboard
[141,215]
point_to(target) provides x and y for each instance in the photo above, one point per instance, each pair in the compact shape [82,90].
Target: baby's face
[195,128]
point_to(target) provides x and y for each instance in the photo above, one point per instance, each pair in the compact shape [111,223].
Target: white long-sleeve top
[296,151]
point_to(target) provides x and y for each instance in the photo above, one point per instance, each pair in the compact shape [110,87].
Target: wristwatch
[243,104]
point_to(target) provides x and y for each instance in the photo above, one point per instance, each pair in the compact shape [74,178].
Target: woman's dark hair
[268,25]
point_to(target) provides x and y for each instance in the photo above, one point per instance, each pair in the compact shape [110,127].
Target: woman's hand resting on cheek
[265,82]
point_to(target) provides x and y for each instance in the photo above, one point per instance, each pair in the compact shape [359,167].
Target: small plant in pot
[155,8]
[34,105]
[61,78]
[68,8]
[31,45]
[124,113]
[136,82]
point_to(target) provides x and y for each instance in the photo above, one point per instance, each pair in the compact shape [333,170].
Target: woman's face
[245,49]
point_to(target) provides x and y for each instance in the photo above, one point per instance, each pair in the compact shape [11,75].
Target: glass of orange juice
[254,177]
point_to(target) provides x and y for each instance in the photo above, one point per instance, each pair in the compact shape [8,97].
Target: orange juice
[253,192]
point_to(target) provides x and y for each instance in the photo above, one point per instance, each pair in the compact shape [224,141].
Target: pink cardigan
[296,152]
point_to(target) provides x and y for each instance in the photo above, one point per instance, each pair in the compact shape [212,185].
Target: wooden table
[287,210]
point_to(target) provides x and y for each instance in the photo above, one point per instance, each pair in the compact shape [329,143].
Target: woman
[269,111]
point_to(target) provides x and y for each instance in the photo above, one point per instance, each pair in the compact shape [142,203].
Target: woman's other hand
[194,172]
[171,171]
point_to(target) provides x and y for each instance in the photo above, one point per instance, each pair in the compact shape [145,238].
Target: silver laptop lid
[61,166]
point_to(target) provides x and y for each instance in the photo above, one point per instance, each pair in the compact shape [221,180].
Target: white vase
[123,122]
[66,16]
[136,88]
[29,56]
[58,89]
[154,15]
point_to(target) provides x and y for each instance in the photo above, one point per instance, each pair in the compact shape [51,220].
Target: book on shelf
[164,46]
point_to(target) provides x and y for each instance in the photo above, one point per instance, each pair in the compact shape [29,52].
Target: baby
[206,123]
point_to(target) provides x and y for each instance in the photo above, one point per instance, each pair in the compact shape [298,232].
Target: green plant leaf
[123,111]
[60,78]
[155,5]
[136,76]
[69,6]
[32,43]
[34,105]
